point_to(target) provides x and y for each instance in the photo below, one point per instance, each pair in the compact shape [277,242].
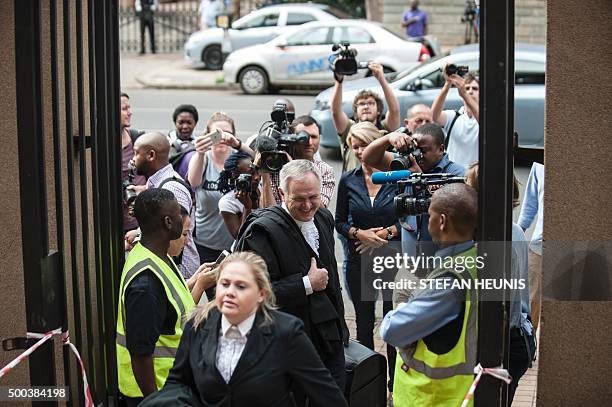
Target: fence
[173,23]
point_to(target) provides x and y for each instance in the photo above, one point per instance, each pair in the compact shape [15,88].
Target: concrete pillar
[12,317]
[576,340]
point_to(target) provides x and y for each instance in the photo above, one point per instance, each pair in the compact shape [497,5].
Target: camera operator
[239,182]
[367,106]
[436,330]
[429,140]
[128,178]
[304,152]
[462,125]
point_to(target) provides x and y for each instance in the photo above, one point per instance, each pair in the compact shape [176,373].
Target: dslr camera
[276,138]
[346,63]
[414,193]
[461,70]
[129,195]
[244,182]
[403,161]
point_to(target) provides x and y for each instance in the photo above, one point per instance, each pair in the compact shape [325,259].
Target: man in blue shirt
[415,21]
[430,139]
[437,327]
[532,209]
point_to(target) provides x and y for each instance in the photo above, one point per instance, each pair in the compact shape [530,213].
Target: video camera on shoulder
[345,61]
[461,70]
[416,199]
[402,162]
[275,138]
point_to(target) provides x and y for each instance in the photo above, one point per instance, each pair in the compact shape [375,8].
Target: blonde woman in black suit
[239,351]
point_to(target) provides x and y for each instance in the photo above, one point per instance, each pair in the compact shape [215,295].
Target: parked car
[422,84]
[300,58]
[204,47]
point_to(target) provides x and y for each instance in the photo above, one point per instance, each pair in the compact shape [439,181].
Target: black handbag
[366,376]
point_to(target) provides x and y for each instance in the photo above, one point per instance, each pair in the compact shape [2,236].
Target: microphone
[265,143]
[389,177]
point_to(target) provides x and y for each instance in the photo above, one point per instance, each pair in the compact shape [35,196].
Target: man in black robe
[297,242]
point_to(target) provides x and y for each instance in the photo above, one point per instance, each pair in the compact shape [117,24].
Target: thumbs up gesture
[318,277]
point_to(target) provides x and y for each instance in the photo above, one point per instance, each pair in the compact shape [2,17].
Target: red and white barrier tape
[497,372]
[42,339]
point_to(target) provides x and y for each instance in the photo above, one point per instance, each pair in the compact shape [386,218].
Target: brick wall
[445,19]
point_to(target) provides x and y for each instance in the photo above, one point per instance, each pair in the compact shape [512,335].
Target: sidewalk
[165,71]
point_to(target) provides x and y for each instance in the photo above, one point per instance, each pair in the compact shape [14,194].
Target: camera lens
[274,161]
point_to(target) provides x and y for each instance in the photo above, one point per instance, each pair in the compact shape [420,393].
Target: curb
[153,84]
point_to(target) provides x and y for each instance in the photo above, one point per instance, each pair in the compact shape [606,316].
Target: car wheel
[213,57]
[253,80]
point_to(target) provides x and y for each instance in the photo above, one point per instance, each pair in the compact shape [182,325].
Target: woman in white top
[239,351]
[211,236]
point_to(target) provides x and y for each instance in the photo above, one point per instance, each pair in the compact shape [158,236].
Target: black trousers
[522,349]
[147,22]
[363,292]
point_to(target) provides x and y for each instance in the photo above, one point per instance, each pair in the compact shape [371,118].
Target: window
[265,20]
[354,35]
[312,36]
[299,18]
[529,72]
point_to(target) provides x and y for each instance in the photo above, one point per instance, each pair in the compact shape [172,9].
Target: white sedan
[207,47]
[300,58]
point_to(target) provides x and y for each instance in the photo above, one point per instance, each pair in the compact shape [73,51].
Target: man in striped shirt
[305,152]
[151,152]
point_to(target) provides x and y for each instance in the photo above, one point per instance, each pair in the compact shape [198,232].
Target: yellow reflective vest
[424,378]
[140,259]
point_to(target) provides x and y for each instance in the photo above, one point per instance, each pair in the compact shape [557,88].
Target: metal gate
[173,23]
[67,86]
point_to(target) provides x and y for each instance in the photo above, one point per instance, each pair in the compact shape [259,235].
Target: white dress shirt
[311,234]
[232,340]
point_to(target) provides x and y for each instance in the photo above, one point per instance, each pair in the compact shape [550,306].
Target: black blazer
[274,235]
[275,356]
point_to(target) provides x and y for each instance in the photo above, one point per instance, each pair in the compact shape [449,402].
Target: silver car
[207,48]
[300,58]
[422,84]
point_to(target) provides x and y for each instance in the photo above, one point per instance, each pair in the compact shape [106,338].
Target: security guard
[154,300]
[436,330]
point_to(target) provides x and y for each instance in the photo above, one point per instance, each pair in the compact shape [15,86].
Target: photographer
[462,125]
[429,140]
[367,106]
[305,151]
[436,331]
[128,177]
[211,236]
[240,183]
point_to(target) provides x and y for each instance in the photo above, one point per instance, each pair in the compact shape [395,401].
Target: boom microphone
[389,177]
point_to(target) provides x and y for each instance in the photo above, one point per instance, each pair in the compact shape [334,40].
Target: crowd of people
[230,294]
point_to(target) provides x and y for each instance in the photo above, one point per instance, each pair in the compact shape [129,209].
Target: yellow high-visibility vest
[140,259]
[441,380]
